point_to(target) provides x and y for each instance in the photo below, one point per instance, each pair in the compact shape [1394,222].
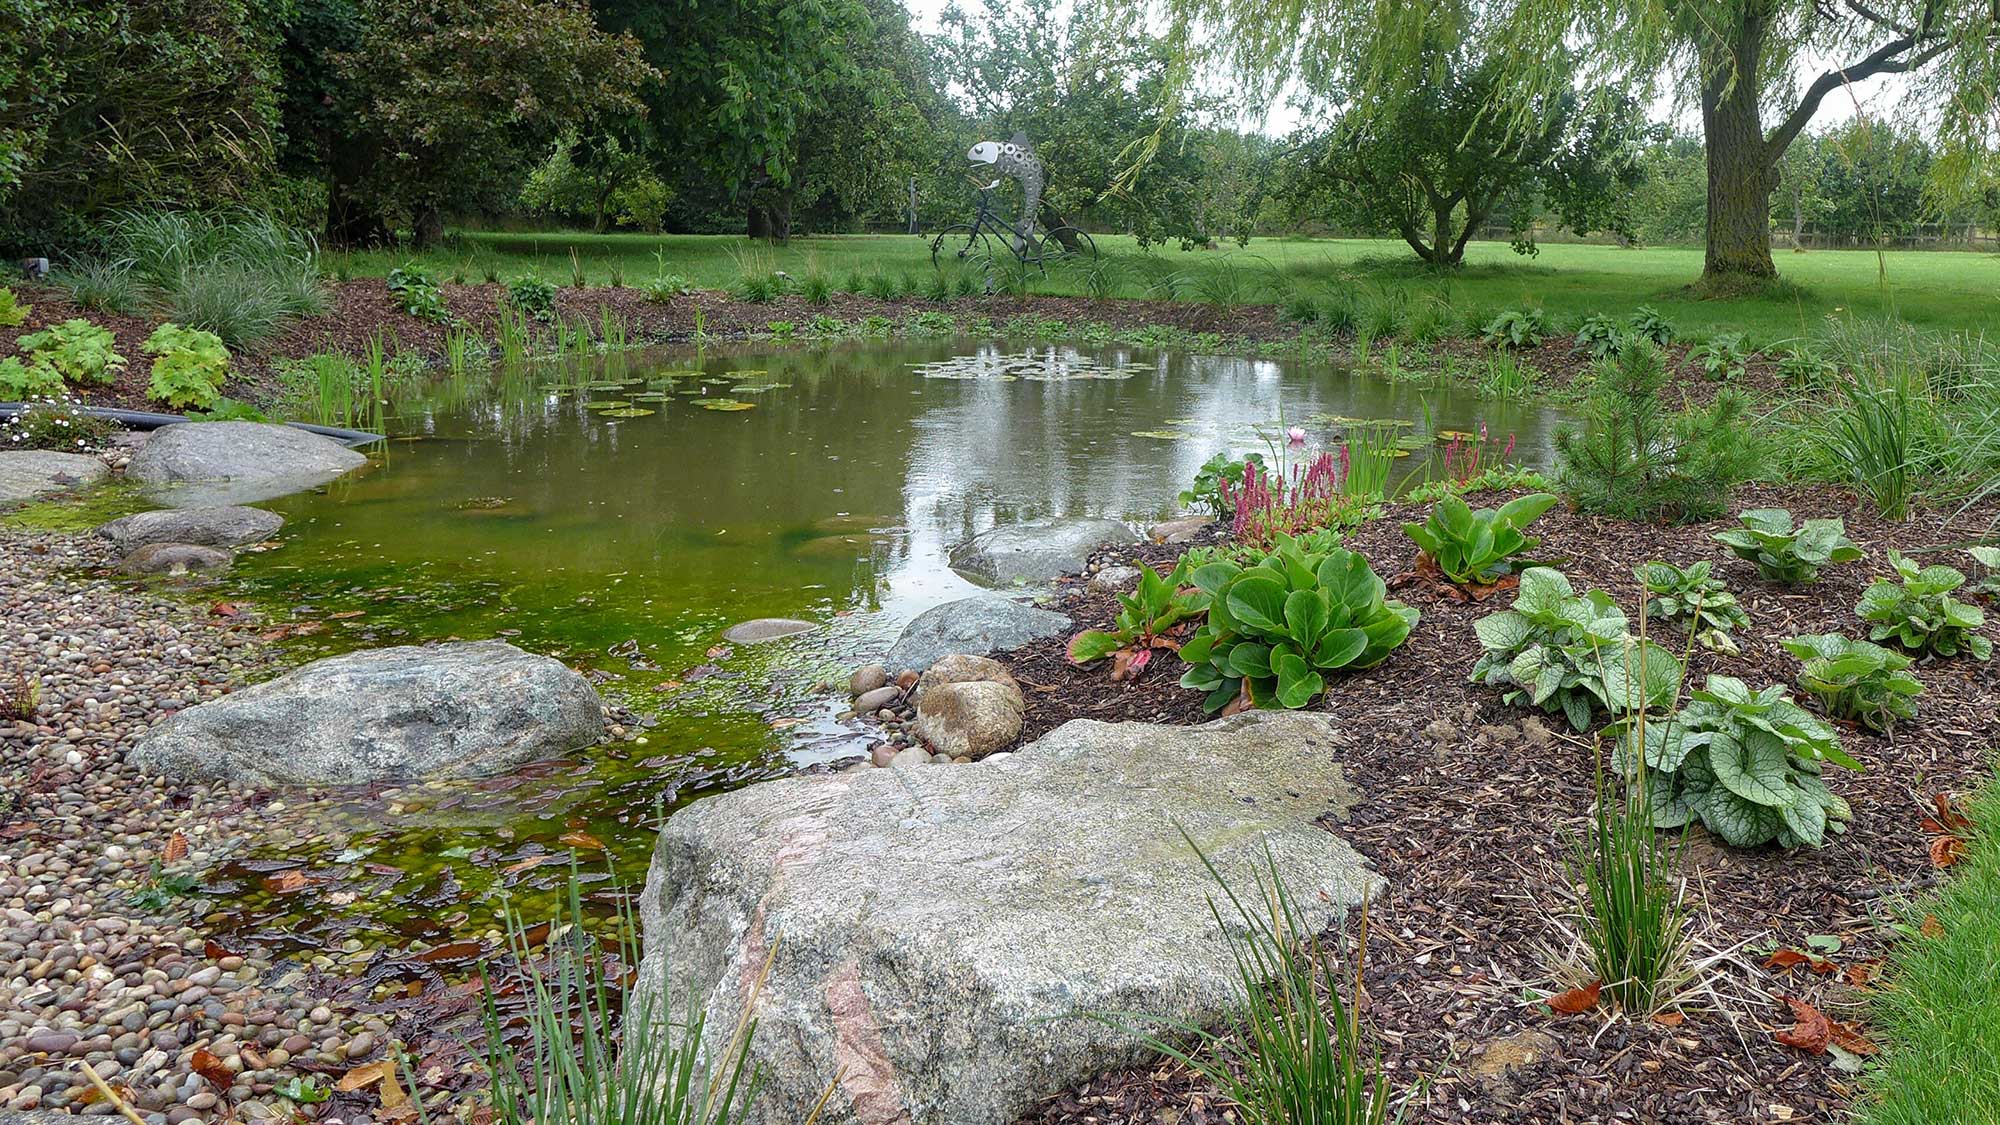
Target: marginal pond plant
[1744,763]
[1571,653]
[1206,493]
[1267,505]
[1915,609]
[1294,1054]
[1858,680]
[1478,548]
[1144,623]
[1694,599]
[1276,628]
[1785,553]
[1633,897]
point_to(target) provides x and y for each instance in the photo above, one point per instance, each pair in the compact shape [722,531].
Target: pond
[825,483]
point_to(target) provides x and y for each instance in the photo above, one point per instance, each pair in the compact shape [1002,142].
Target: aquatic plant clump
[1032,366]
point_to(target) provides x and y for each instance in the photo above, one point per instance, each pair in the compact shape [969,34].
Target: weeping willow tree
[1758,70]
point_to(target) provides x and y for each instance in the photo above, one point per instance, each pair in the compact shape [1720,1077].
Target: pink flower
[1296,436]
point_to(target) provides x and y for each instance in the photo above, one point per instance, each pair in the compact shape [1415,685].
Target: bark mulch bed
[360,310]
[1469,808]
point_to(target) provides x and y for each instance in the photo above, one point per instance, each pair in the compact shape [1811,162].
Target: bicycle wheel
[1068,244]
[963,243]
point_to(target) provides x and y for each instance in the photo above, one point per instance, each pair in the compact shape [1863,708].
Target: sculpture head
[985,152]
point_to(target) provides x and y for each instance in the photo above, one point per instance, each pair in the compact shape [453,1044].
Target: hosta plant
[1517,328]
[1787,554]
[417,293]
[1855,679]
[1746,764]
[76,349]
[1570,653]
[188,366]
[1648,324]
[1722,359]
[1599,336]
[1276,628]
[1916,610]
[1145,618]
[1694,599]
[1478,548]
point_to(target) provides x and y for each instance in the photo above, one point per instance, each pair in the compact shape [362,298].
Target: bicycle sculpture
[981,239]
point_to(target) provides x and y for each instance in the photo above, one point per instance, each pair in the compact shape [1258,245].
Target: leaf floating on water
[1042,366]
[607,404]
[759,388]
[1163,435]
[578,838]
[653,396]
[626,412]
[723,404]
[1456,435]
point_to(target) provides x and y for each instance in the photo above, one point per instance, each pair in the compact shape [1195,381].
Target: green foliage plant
[55,421]
[13,314]
[189,366]
[1855,679]
[1599,337]
[1208,493]
[1276,627]
[1633,897]
[1478,548]
[1694,599]
[1722,358]
[25,382]
[1915,609]
[1570,653]
[534,296]
[1987,583]
[557,1058]
[1145,617]
[1516,328]
[417,294]
[1871,432]
[1784,553]
[1634,459]
[1294,1053]
[1648,324]
[1746,764]
[77,350]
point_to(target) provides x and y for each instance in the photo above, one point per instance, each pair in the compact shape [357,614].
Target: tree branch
[1889,58]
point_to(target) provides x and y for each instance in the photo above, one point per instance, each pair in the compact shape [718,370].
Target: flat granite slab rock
[944,933]
[213,464]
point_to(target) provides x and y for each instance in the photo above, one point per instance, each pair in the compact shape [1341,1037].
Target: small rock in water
[867,678]
[766,629]
[877,699]
[176,558]
[970,719]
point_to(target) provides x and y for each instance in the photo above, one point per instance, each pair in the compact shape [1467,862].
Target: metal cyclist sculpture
[983,238]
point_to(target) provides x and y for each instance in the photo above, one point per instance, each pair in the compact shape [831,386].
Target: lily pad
[653,396]
[627,412]
[759,388]
[1456,435]
[1163,435]
[607,404]
[723,404]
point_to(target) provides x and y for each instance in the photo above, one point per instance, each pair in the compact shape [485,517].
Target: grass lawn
[1940,1017]
[1947,290]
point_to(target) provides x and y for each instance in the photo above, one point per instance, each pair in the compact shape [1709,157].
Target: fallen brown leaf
[1576,999]
[578,838]
[213,1069]
[176,849]
[1810,1030]
[1785,960]
[286,882]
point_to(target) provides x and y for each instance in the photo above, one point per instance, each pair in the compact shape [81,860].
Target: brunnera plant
[1694,599]
[1856,679]
[1570,653]
[1784,553]
[1915,609]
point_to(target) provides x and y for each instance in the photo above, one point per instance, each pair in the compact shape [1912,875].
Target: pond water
[522,505]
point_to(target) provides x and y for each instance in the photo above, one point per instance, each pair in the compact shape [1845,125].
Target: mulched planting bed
[1469,808]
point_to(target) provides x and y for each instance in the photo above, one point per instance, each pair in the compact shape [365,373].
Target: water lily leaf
[607,404]
[627,412]
[1163,435]
[723,404]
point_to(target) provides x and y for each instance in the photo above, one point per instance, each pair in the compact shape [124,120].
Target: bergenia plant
[1146,623]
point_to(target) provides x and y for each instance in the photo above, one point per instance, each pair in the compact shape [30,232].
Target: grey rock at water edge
[175,559]
[206,464]
[961,668]
[1178,531]
[877,698]
[228,526]
[28,473]
[977,625]
[1114,579]
[867,678]
[464,709]
[1036,552]
[970,718]
[943,935]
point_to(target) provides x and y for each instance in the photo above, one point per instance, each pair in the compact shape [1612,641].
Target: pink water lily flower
[1296,436]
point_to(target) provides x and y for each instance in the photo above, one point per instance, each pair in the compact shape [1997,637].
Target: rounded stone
[175,559]
[766,629]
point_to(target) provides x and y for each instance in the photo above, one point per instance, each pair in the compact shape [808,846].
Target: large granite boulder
[943,936]
[464,709]
[28,473]
[1036,552]
[228,526]
[976,626]
[203,464]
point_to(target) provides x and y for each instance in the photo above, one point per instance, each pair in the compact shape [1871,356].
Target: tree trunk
[429,226]
[1741,171]
[758,223]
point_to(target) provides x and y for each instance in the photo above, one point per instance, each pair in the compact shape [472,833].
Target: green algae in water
[80,512]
